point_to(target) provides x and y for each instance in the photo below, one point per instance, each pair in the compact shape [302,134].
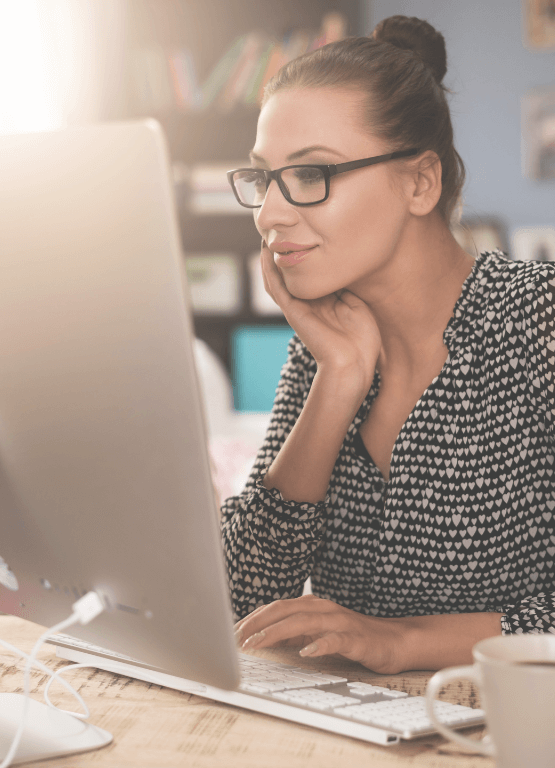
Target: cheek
[369,217]
[347,223]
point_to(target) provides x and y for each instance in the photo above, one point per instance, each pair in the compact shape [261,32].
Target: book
[237,82]
[298,42]
[252,88]
[166,80]
[293,44]
[184,80]
[275,62]
[221,72]
[334,27]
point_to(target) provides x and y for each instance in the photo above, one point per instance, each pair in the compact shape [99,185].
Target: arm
[386,646]
[273,530]
[344,340]
[435,642]
[269,542]
[303,467]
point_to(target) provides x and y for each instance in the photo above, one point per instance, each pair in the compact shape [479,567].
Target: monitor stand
[48,732]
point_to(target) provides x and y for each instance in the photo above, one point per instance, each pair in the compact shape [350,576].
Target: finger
[265,606]
[348,298]
[294,626]
[265,255]
[331,642]
[273,280]
[241,627]
[266,615]
[249,616]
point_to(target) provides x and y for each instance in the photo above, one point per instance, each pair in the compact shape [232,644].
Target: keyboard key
[316,699]
[365,689]
[318,675]
[395,694]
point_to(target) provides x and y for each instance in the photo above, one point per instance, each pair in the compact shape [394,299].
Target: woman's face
[354,234]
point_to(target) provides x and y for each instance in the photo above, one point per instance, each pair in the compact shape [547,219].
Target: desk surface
[162,728]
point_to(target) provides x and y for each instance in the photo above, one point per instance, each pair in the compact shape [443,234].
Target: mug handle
[436,682]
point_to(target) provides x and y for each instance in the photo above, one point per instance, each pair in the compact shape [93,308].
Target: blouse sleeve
[539,321]
[270,543]
[536,614]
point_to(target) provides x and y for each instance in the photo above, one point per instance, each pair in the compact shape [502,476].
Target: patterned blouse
[466,521]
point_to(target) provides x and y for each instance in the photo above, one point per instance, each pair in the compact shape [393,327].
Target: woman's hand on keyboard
[322,627]
[386,646]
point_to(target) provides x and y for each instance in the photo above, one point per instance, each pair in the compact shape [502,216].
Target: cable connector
[88,607]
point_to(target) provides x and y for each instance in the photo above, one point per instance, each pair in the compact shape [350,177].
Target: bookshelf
[173,49]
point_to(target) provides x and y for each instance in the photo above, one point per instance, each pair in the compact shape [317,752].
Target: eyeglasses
[299,184]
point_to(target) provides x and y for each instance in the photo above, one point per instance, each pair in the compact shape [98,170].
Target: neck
[412,296]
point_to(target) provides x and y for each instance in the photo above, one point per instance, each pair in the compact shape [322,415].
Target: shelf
[207,27]
[210,135]
[232,234]
[216,330]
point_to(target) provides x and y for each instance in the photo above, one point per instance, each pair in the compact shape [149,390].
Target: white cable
[51,674]
[83,611]
[58,676]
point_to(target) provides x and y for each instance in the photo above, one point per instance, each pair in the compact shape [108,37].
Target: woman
[409,466]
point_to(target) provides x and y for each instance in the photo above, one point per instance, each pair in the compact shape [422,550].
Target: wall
[489,69]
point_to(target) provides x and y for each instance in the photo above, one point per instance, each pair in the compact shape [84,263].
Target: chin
[308,288]
[307,292]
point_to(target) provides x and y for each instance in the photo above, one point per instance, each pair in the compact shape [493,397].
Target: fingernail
[309,650]
[253,640]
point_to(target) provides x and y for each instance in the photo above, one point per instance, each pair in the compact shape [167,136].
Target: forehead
[296,118]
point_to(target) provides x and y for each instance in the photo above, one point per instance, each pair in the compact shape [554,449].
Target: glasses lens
[305,183]
[250,186]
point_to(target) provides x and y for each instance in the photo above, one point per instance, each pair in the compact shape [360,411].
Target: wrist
[348,380]
[446,640]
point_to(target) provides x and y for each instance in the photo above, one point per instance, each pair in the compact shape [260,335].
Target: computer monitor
[105,480]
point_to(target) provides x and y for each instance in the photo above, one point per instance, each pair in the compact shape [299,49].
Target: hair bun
[417,36]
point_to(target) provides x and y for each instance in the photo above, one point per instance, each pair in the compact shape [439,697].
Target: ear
[425,184]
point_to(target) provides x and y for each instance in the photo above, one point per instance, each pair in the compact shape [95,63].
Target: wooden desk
[162,728]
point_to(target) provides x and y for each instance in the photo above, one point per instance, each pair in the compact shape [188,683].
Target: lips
[289,254]
[284,246]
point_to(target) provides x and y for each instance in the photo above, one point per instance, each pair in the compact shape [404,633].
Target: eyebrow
[299,153]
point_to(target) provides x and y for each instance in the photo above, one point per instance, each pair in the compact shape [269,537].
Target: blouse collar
[468,312]
[467,317]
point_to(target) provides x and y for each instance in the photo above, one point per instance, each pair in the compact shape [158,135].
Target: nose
[275,211]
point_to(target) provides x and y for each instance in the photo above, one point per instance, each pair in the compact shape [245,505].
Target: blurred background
[199,67]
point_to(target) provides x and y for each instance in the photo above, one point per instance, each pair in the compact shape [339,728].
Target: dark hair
[401,68]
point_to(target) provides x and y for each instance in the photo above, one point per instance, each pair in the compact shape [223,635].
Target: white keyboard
[369,712]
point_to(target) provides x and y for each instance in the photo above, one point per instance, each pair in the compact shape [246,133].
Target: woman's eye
[256,178]
[253,178]
[308,175]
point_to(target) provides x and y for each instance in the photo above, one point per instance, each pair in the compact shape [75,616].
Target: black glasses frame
[327,170]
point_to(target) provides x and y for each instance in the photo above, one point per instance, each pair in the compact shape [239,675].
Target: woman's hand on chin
[321,627]
[339,330]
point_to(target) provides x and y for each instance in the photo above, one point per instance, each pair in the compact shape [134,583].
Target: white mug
[516,678]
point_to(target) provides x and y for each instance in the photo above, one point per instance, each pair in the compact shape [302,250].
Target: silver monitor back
[104,473]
